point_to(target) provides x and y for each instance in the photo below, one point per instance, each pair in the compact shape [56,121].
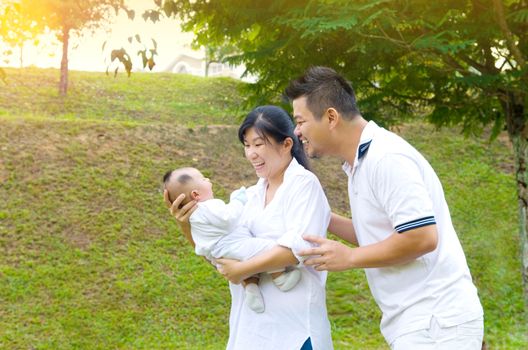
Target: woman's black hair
[274,122]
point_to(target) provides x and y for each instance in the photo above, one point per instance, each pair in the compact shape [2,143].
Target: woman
[286,203]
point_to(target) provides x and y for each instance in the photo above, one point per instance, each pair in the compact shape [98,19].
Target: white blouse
[298,207]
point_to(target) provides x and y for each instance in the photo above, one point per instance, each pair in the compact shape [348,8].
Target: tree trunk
[520,146]
[513,107]
[22,55]
[63,84]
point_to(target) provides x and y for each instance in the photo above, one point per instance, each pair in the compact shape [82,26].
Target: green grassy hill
[91,259]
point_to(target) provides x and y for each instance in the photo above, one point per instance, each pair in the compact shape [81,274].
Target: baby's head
[190,182]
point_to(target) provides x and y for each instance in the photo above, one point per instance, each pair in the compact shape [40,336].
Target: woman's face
[268,157]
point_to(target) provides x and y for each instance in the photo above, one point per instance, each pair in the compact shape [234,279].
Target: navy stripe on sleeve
[430,220]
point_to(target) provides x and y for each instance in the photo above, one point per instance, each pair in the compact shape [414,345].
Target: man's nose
[297,130]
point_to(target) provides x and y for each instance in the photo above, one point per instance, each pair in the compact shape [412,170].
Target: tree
[70,17]
[456,62]
[217,54]
[17,29]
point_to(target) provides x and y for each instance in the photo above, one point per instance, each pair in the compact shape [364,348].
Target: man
[415,265]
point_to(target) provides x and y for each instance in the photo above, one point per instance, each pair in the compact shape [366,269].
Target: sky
[86,52]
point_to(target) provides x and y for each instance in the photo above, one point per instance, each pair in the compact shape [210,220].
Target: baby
[217,232]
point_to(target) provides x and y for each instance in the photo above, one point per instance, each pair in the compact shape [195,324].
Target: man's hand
[328,255]
[231,269]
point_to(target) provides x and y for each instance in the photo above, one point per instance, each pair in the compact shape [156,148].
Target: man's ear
[333,117]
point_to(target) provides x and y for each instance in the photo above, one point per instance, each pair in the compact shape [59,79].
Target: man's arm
[398,248]
[273,259]
[342,227]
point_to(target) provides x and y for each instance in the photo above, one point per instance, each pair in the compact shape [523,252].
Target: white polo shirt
[392,188]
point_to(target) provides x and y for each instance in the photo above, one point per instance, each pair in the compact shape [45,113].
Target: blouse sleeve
[306,211]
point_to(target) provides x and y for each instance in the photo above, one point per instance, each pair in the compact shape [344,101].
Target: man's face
[313,133]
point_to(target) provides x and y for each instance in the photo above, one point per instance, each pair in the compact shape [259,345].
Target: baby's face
[202,185]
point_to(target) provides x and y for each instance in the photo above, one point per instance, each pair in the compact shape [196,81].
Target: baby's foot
[287,280]
[254,299]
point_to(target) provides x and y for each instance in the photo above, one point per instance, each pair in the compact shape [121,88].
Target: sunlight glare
[86,52]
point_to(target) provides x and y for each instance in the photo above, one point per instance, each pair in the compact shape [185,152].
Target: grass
[90,258]
[96,96]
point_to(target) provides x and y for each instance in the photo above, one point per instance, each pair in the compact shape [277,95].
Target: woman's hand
[232,270]
[276,258]
[181,214]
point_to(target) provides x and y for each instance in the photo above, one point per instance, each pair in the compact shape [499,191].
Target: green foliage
[61,17]
[92,260]
[17,27]
[124,58]
[72,15]
[147,54]
[450,60]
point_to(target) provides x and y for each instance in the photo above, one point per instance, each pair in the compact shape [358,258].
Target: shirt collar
[290,171]
[364,143]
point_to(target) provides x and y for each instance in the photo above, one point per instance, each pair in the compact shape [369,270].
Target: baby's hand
[239,195]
